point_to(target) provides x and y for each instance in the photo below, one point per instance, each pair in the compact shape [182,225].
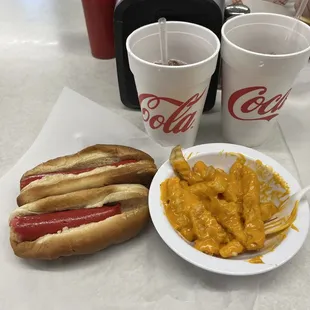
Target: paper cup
[172,98]
[261,59]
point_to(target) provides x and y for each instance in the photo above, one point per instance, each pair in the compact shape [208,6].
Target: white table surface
[44,47]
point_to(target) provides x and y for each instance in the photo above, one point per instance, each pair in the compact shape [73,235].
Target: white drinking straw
[163,40]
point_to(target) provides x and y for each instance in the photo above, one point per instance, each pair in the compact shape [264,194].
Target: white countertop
[44,47]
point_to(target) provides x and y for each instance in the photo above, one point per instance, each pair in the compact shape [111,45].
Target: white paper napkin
[142,273]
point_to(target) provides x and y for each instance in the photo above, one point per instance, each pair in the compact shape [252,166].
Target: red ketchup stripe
[32,227]
[24,182]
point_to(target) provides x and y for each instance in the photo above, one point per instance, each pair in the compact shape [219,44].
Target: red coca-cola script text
[256,108]
[180,120]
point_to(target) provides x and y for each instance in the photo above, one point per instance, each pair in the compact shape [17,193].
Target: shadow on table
[210,129]
[75,43]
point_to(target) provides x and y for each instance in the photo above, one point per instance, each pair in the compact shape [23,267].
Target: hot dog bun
[88,238]
[94,156]
[56,178]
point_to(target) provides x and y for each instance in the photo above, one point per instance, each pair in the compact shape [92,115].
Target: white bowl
[212,154]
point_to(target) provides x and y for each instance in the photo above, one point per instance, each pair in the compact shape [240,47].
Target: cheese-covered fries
[221,213]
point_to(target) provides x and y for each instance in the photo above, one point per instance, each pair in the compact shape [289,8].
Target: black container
[130,15]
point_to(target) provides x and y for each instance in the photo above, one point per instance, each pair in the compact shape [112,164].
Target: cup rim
[289,55]
[196,64]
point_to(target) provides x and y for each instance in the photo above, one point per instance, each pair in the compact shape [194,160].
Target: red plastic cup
[99,21]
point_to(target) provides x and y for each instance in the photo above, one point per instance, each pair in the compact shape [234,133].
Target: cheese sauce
[223,214]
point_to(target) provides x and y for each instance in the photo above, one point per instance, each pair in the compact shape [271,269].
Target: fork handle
[299,195]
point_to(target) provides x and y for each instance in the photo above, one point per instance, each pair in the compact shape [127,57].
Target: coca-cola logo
[180,120]
[257,107]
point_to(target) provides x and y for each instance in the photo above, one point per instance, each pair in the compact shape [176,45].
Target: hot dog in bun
[93,167]
[79,222]
[82,203]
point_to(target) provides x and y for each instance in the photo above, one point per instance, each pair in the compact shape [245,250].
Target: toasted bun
[88,238]
[93,156]
[141,172]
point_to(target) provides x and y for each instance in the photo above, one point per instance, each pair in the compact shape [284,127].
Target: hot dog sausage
[32,227]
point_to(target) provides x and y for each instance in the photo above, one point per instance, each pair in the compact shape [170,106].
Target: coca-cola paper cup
[261,58]
[172,97]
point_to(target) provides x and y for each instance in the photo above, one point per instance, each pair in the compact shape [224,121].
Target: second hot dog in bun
[93,167]
[80,222]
